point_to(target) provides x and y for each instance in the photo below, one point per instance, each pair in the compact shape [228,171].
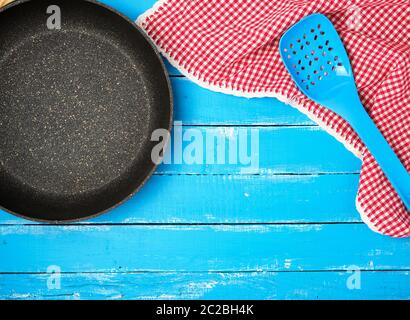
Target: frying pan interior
[78,106]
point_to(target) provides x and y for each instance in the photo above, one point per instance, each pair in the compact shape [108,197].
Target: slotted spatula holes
[315,57]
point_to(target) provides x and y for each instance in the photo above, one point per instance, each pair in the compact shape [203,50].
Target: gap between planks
[167,272]
[181,224]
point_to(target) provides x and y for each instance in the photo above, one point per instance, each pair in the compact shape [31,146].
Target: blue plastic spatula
[315,57]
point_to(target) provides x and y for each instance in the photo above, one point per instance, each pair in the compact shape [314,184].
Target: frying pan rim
[170,108]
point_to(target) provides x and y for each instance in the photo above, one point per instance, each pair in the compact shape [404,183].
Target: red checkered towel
[232,46]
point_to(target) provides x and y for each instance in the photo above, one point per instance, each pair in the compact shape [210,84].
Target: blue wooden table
[289,231]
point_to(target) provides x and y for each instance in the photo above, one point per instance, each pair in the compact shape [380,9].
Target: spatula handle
[382,152]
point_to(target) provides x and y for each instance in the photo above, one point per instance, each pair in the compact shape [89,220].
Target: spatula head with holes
[315,57]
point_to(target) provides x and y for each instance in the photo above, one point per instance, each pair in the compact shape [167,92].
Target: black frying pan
[77,109]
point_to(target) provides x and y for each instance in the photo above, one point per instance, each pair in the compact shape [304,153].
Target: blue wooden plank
[172,71]
[131,9]
[199,248]
[235,199]
[253,285]
[273,150]
[198,106]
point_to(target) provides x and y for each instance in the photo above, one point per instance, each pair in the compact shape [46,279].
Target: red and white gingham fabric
[232,46]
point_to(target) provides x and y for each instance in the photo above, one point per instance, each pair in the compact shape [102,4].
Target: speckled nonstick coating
[77,109]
